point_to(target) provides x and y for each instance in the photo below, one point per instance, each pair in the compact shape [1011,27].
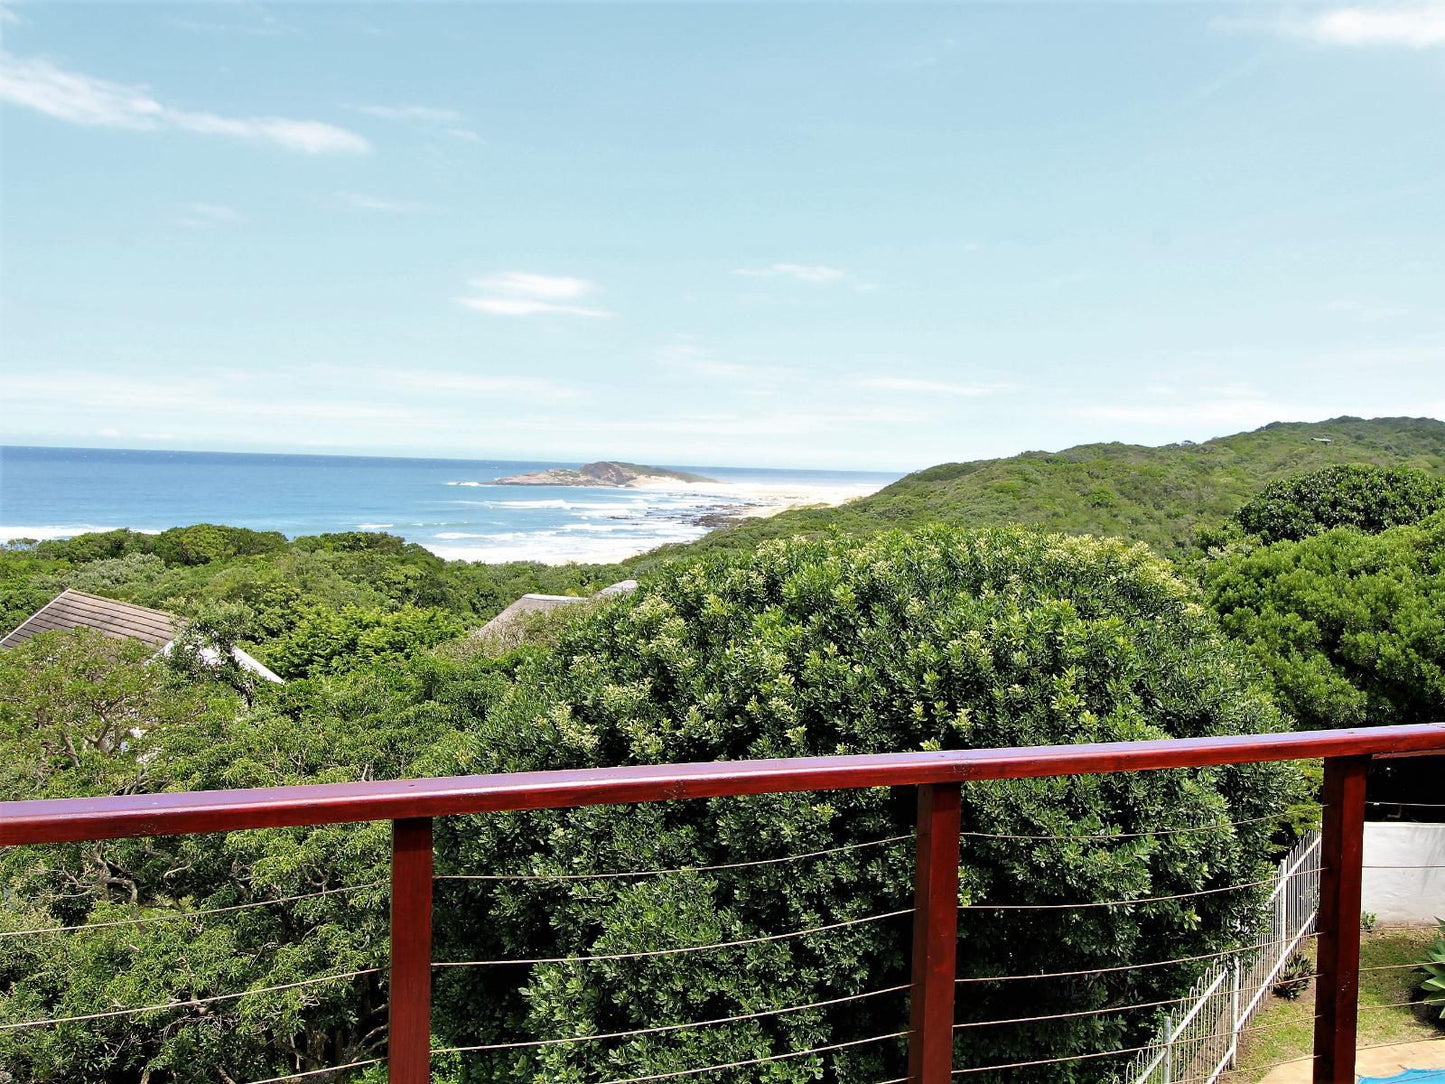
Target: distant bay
[450,506]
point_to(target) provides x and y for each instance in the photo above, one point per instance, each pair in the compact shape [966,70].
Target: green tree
[157,940]
[1349,626]
[1367,498]
[945,639]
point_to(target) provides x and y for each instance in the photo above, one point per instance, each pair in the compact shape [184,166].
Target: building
[511,620]
[72,609]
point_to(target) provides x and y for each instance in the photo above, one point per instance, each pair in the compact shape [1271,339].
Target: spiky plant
[1433,984]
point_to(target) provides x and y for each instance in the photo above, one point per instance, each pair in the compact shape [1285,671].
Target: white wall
[1404,895]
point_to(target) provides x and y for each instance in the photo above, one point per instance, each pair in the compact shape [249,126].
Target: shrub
[1294,977]
[1367,498]
[1350,627]
[945,639]
[1432,986]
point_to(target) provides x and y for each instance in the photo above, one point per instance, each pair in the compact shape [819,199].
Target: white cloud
[1413,26]
[528,284]
[522,306]
[360,201]
[217,397]
[802,272]
[36,83]
[8,15]
[1238,406]
[684,354]
[463,383]
[411,112]
[525,293]
[932,387]
[451,121]
[209,214]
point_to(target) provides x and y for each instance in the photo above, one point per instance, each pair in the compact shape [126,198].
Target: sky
[857,236]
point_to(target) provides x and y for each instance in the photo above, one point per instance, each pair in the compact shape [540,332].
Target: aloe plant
[1433,985]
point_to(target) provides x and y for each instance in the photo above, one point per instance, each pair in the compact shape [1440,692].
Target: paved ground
[1383,1061]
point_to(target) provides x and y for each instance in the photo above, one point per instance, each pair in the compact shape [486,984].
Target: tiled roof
[73,609]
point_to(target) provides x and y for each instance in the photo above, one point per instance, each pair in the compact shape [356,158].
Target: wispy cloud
[360,201]
[1412,26]
[254,21]
[684,354]
[411,112]
[76,98]
[802,272]
[525,293]
[1366,312]
[929,387]
[457,382]
[1241,405]
[452,122]
[209,214]
[9,15]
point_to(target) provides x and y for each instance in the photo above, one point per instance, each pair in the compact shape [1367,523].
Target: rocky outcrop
[601,473]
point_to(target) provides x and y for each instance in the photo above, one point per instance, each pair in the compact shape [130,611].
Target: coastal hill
[1159,495]
[602,473]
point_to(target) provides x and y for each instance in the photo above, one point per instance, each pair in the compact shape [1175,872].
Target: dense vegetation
[1307,589]
[1163,496]
[315,603]
[944,639]
[1364,498]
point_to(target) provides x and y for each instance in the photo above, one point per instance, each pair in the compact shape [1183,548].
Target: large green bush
[945,639]
[1367,498]
[1350,626]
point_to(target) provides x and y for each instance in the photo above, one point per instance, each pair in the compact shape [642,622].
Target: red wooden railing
[411,805]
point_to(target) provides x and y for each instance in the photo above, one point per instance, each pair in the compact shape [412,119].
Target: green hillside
[1157,495]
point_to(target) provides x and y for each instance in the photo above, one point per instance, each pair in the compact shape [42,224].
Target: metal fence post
[409,1045]
[1235,1022]
[1341,855]
[935,935]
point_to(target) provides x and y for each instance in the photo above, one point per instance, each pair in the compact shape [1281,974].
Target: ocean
[450,506]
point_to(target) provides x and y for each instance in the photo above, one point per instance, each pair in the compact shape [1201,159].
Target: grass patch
[1288,1026]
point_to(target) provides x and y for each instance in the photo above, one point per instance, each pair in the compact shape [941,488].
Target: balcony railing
[412,804]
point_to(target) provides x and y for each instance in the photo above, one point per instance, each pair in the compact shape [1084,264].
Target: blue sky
[806,235]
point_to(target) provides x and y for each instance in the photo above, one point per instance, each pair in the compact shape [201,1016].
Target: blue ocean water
[447,505]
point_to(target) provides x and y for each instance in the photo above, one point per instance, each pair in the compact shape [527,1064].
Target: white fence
[1200,1039]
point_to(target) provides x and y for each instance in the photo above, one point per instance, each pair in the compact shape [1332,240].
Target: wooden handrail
[411,804]
[68,820]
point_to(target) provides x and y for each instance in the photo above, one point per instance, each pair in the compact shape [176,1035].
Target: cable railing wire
[190,1003]
[1072,1015]
[1048,1061]
[1123,903]
[613,874]
[671,1027]
[177,916]
[759,1061]
[1108,836]
[1132,967]
[317,1072]
[681,950]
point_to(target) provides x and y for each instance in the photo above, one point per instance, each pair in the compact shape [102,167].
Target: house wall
[1404,895]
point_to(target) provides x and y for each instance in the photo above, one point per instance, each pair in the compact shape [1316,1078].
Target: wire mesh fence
[1200,1039]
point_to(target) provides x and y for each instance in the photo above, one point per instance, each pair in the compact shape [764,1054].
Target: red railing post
[935,935]
[409,1045]
[1342,845]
